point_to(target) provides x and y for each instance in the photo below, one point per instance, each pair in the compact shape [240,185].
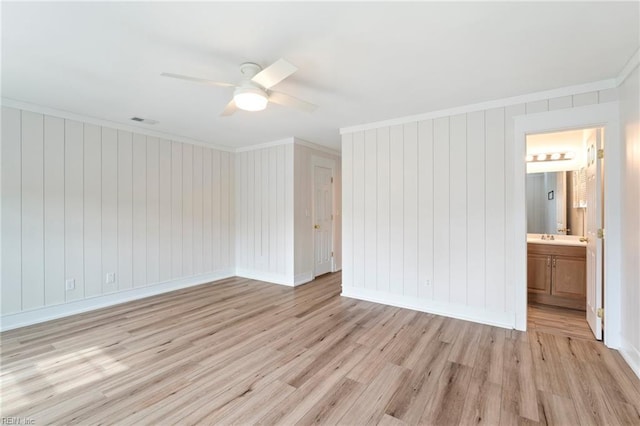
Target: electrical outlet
[110,278]
[427,283]
[70,284]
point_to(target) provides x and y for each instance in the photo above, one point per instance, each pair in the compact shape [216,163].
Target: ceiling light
[541,157]
[250,98]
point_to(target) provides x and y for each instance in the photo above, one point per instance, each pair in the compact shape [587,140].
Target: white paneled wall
[80,201]
[425,211]
[264,179]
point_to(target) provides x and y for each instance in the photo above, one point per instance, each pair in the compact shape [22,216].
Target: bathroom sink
[559,240]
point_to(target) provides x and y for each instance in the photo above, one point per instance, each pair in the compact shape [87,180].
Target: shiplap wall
[264,232]
[80,201]
[630,130]
[425,211]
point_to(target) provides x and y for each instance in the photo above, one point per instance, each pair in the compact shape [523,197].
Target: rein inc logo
[17,421]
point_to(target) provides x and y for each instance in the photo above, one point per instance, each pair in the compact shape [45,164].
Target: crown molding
[292,140]
[13,103]
[316,147]
[631,65]
[498,103]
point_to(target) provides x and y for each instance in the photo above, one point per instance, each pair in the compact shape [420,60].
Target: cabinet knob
[316,226]
[554,262]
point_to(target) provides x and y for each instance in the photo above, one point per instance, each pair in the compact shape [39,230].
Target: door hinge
[331,179]
[331,254]
[600,312]
[331,217]
[601,233]
[601,153]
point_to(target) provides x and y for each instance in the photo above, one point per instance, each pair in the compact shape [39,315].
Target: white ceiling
[360,62]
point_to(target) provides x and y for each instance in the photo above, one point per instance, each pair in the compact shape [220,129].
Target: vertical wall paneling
[510,113]
[273,215]
[358,209]
[396,213]
[370,208]
[251,208]
[166,209]
[410,209]
[225,219]
[560,103]
[441,193]
[537,106]
[231,211]
[258,192]
[53,210]
[207,213]
[92,210]
[458,208]
[197,210]
[125,210]
[288,209]
[280,207]
[583,99]
[475,208]
[187,209]
[425,209]
[109,226]
[139,205]
[11,211]
[153,210]
[264,209]
[216,214]
[74,208]
[495,209]
[32,210]
[176,210]
[382,209]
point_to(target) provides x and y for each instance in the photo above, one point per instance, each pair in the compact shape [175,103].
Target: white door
[594,222]
[322,219]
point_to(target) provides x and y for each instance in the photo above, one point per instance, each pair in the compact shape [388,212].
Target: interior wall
[265,209]
[425,211]
[304,248]
[80,201]
[629,94]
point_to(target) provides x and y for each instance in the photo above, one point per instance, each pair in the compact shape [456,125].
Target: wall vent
[144,120]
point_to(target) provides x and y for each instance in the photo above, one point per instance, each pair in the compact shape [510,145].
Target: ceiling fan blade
[274,73]
[229,109]
[197,80]
[289,101]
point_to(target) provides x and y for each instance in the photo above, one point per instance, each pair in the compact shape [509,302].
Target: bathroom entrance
[564,211]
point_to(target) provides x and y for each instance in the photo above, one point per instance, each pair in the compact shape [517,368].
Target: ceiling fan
[254,90]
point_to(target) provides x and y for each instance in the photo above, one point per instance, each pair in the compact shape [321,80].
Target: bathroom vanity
[556,271]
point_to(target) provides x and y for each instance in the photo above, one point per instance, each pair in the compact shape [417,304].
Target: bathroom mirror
[551,204]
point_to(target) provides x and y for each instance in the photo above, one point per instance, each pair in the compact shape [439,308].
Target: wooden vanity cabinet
[556,275]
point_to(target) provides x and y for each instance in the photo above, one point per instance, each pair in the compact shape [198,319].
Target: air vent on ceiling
[144,120]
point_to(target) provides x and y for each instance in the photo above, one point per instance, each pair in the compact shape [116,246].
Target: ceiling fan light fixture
[250,99]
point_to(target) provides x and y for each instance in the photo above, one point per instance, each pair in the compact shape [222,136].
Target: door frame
[601,115]
[329,164]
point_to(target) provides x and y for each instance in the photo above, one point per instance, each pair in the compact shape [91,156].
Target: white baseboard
[303,278]
[47,313]
[498,319]
[631,355]
[269,277]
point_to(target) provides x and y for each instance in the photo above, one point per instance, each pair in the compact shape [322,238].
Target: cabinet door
[569,277]
[539,273]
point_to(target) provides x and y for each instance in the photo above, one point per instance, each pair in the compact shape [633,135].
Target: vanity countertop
[559,240]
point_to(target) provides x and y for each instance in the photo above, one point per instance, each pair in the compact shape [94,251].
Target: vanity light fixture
[551,156]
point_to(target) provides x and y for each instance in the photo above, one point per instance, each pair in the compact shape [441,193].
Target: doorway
[322,215]
[564,193]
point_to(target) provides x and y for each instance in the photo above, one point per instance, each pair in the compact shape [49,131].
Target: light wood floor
[560,321]
[245,352]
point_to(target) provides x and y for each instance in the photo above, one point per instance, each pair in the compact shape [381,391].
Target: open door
[593,232]
[322,219]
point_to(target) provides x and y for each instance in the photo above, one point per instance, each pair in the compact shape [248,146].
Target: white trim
[268,277]
[285,141]
[303,278]
[606,115]
[631,64]
[463,312]
[12,103]
[288,141]
[25,318]
[498,103]
[631,355]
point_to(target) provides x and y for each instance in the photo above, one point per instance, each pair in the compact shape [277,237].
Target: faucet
[547,237]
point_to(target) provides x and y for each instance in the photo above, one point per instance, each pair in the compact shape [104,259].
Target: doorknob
[316,226]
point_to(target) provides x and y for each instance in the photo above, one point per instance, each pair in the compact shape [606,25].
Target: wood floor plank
[240,351]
